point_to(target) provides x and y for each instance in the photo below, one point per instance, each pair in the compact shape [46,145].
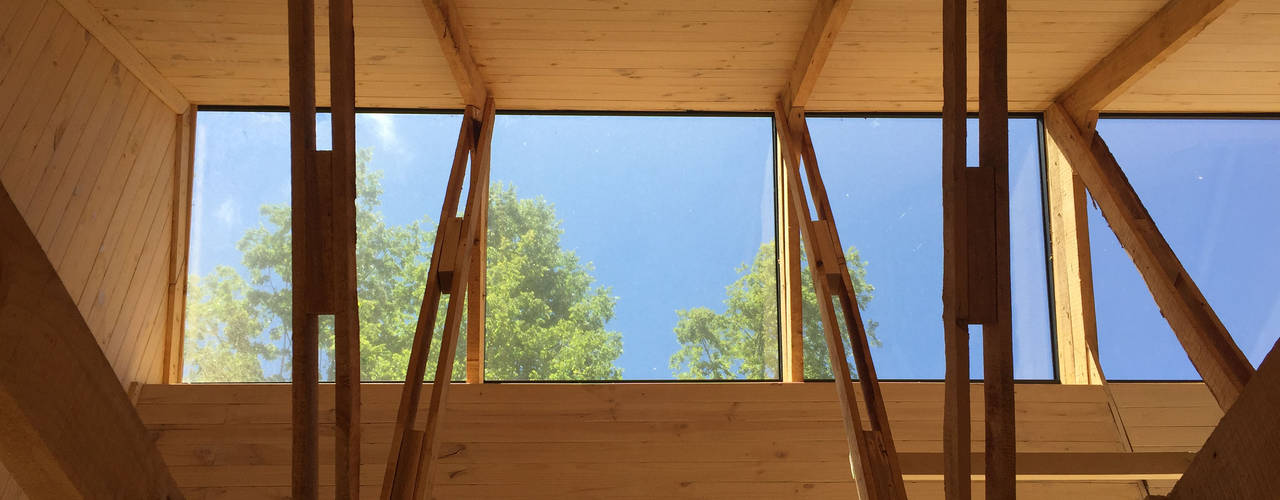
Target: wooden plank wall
[643,440]
[86,152]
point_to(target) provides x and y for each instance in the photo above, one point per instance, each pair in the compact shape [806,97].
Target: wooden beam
[956,426]
[343,282]
[307,267]
[1168,30]
[180,236]
[124,51]
[828,19]
[1068,466]
[1239,458]
[790,293]
[452,36]
[997,335]
[1214,353]
[67,428]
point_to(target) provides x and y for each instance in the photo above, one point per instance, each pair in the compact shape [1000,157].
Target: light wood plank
[68,427]
[452,36]
[91,18]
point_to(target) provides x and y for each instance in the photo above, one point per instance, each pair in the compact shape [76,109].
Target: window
[238,302]
[631,247]
[884,180]
[1209,184]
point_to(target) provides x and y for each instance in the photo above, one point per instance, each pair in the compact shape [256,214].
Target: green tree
[742,342]
[545,317]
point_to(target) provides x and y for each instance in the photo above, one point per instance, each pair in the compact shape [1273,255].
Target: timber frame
[72,312]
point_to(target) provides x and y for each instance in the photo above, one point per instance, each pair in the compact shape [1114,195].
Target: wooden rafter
[1169,29]
[1239,458]
[457,50]
[956,426]
[828,19]
[67,428]
[1214,353]
[124,51]
[872,452]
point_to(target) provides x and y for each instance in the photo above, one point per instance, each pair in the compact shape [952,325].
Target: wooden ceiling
[718,55]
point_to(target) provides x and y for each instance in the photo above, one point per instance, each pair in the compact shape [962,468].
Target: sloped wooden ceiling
[721,55]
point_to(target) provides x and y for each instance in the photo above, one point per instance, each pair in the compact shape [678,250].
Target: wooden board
[741,440]
[86,152]
[701,55]
[67,428]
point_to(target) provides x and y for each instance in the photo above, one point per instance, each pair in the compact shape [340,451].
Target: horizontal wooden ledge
[1066,466]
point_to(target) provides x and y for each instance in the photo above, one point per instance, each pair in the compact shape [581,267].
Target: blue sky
[1210,186]
[666,209]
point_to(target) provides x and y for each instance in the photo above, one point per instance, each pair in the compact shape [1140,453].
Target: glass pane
[631,247]
[884,180]
[1209,184]
[238,304]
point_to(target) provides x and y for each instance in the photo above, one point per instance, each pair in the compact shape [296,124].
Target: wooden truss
[454,262]
[872,453]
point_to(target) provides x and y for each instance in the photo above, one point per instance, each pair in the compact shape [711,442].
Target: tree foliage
[545,317]
[742,342]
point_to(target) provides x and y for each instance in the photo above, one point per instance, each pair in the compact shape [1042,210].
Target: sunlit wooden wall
[742,440]
[87,154]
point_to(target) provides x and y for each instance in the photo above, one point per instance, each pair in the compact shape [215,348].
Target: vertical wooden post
[346,335]
[956,412]
[306,265]
[476,293]
[180,236]
[997,335]
[790,294]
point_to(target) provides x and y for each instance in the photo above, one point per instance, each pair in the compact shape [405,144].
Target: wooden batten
[790,294]
[67,427]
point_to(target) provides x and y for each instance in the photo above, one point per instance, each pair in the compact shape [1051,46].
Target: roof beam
[1239,458]
[828,18]
[457,51]
[1168,30]
[1065,466]
[1214,353]
[67,428]
[124,51]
